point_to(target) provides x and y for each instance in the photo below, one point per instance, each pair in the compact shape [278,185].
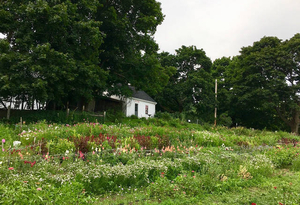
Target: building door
[136,109]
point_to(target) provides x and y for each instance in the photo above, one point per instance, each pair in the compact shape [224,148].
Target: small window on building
[146,109]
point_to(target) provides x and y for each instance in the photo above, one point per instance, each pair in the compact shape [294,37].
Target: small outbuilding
[140,105]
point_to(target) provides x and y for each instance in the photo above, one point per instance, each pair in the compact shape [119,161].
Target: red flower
[275,187]
[11,168]
[253,203]
[162,173]
[281,203]
[33,163]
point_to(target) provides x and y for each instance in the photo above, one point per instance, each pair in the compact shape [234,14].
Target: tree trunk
[294,124]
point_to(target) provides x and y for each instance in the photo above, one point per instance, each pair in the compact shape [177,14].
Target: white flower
[16,143]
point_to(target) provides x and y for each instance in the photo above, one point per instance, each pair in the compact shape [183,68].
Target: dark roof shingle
[141,95]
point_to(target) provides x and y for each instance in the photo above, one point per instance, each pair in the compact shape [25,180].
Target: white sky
[223,27]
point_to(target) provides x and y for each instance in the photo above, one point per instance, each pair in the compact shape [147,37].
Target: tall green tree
[60,51]
[129,52]
[190,89]
[266,78]
[51,50]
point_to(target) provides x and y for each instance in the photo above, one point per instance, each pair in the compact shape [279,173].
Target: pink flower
[11,168]
[39,189]
[20,154]
[3,140]
[193,171]
[81,155]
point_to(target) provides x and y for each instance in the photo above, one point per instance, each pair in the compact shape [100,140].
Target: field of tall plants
[147,162]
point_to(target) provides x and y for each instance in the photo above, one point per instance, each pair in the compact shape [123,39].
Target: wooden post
[21,123]
[216,91]
[9,153]
[8,112]
[83,108]
[104,114]
[40,146]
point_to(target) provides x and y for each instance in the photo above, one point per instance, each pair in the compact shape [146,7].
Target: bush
[225,120]
[163,115]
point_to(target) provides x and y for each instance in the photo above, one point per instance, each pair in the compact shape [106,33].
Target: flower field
[131,163]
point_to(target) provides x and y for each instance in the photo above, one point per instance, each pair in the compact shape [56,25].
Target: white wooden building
[140,105]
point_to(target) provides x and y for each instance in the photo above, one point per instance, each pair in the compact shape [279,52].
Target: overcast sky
[223,27]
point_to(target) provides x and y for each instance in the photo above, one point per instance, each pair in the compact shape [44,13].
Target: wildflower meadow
[147,162]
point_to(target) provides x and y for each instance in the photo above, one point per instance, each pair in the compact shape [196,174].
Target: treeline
[258,88]
[60,53]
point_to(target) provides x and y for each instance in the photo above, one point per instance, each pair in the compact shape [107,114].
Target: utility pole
[216,95]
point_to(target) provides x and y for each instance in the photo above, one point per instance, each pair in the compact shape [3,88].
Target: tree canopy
[61,51]
[51,50]
[190,89]
[264,83]
[129,50]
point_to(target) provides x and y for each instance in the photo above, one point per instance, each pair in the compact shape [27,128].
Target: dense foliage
[190,89]
[260,87]
[63,52]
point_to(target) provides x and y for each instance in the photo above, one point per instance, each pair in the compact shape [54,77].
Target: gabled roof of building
[141,95]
